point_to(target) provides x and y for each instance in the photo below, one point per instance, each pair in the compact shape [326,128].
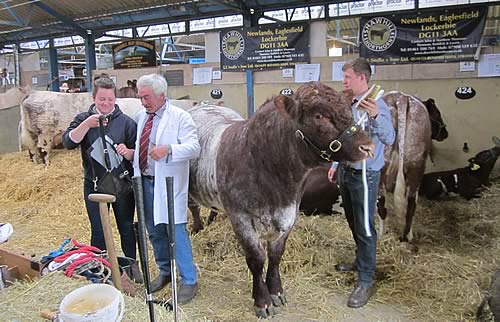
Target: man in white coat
[166,140]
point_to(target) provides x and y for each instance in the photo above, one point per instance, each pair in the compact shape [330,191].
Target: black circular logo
[286,91]
[378,34]
[465,92]
[233,45]
[216,94]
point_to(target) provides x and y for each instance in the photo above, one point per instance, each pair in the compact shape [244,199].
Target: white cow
[13,97]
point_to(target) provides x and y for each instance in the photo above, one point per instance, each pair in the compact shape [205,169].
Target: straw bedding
[440,276]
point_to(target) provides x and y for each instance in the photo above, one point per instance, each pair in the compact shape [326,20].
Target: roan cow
[253,170]
[405,159]
[466,182]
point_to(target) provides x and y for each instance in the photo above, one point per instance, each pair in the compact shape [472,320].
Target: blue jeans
[158,235]
[352,192]
[124,210]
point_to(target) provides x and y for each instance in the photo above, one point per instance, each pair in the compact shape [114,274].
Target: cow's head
[483,163]
[496,140]
[439,132]
[324,122]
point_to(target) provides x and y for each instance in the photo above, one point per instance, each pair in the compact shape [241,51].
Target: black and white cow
[466,182]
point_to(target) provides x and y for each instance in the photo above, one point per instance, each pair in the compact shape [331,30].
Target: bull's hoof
[265,312]
[196,229]
[279,299]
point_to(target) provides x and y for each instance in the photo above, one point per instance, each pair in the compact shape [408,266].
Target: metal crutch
[171,236]
[140,230]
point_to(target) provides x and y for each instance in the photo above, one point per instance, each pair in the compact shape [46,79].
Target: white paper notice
[217,74]
[287,73]
[306,73]
[337,74]
[467,66]
[489,65]
[202,75]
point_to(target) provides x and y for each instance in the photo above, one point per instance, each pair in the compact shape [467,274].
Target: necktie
[144,147]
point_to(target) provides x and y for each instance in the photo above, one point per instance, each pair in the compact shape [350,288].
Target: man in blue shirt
[378,125]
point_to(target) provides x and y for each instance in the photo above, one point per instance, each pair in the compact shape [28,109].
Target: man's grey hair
[156,82]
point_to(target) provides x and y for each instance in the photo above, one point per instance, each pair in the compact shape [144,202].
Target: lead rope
[363,119]
[366,214]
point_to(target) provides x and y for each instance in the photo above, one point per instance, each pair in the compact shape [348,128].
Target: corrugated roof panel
[98,15]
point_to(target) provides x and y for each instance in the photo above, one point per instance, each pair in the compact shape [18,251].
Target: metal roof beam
[11,23]
[19,21]
[65,20]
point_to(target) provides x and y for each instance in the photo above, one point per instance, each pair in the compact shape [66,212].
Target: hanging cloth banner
[430,37]
[264,47]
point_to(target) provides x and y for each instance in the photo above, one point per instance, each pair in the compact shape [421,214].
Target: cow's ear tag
[475,167]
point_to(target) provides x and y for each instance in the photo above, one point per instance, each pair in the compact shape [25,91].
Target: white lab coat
[176,128]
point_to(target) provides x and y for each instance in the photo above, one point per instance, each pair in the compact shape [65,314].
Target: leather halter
[440,125]
[334,145]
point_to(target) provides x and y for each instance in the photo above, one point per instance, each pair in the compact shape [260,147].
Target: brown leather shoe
[136,273]
[360,295]
[186,293]
[346,267]
[160,282]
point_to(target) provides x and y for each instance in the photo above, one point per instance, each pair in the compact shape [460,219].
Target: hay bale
[439,277]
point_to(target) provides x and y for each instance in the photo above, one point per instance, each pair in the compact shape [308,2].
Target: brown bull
[254,171]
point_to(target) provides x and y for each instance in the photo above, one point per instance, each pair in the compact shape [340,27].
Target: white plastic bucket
[92,303]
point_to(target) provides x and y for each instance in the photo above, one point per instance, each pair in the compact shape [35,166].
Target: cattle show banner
[264,47]
[134,54]
[431,37]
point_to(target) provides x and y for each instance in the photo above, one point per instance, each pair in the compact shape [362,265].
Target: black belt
[356,171]
[149,177]
[352,170]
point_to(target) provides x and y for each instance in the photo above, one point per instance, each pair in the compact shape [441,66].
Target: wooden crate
[19,266]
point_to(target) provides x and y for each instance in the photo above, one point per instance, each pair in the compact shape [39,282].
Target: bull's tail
[400,200]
